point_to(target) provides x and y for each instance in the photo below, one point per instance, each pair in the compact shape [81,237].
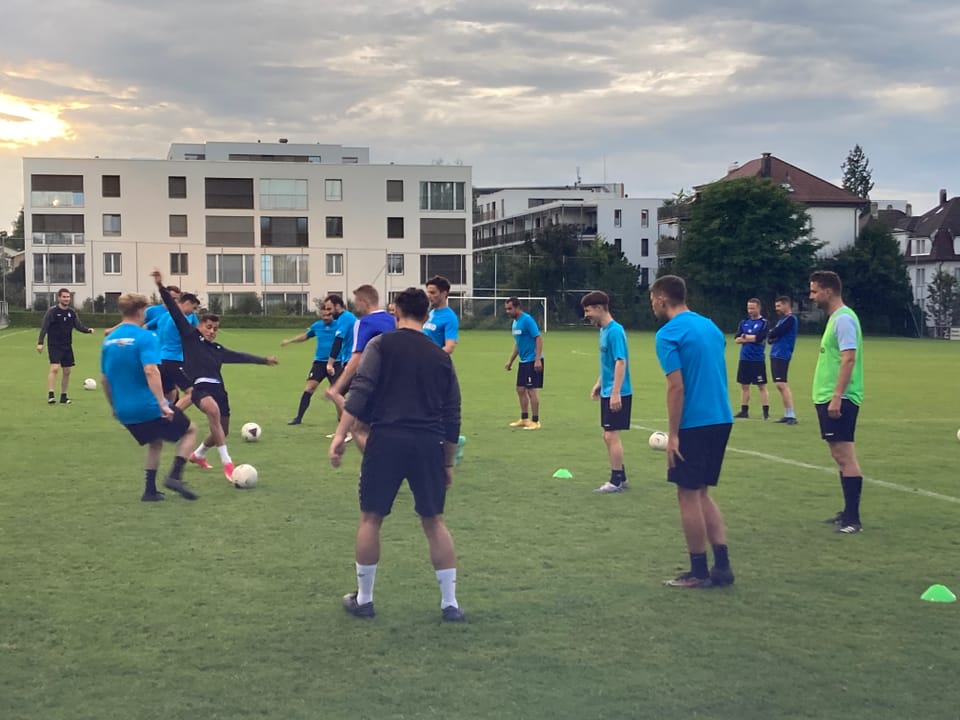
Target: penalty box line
[832,471]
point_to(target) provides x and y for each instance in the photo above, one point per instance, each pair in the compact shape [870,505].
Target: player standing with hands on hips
[528,345]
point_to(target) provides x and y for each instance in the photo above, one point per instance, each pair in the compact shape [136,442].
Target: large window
[333,190]
[111,186]
[284,270]
[230,269]
[443,233]
[394,190]
[111,225]
[111,263]
[283,232]
[441,195]
[178,264]
[50,268]
[230,231]
[452,267]
[57,229]
[176,186]
[56,191]
[229,193]
[283,194]
[334,227]
[394,227]
[644,247]
[178,226]
[394,263]
[292,302]
[334,263]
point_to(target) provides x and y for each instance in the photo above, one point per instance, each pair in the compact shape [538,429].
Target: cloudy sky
[658,94]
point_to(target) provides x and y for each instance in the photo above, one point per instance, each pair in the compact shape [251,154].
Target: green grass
[230,607]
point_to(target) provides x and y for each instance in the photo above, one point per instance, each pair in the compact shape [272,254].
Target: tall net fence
[488,313]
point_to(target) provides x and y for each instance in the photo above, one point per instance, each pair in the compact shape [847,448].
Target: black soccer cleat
[295,421]
[452,614]
[351,605]
[742,414]
[849,528]
[721,577]
[64,401]
[155,496]
[179,486]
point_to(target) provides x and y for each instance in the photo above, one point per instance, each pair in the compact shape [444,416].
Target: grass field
[230,607]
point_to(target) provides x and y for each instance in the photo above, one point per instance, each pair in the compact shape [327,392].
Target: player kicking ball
[203,358]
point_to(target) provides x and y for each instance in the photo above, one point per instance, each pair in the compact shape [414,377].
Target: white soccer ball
[658,440]
[958,435]
[251,432]
[244,476]
[89,384]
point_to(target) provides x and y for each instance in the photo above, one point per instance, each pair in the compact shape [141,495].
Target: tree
[857,176]
[943,301]
[745,238]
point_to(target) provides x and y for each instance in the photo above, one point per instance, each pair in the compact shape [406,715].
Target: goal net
[487,313]
[4,315]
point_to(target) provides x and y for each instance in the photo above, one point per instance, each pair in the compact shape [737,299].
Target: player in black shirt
[58,326]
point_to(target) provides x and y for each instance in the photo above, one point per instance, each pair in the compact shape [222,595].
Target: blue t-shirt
[153,315]
[613,347]
[169,336]
[344,324]
[122,359]
[442,325]
[369,326]
[694,345]
[324,333]
[756,350]
[525,334]
[783,337]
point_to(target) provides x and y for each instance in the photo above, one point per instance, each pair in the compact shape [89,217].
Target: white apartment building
[505,217]
[289,222]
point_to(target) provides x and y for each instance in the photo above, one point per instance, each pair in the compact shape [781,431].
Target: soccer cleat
[835,520]
[522,422]
[51,400]
[295,421]
[66,401]
[228,470]
[348,438]
[351,605]
[202,462]
[849,528]
[532,425]
[609,487]
[625,485]
[689,580]
[721,577]
[155,496]
[330,436]
[452,614]
[787,420]
[742,414]
[179,486]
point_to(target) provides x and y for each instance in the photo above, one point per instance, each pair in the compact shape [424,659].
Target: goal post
[487,312]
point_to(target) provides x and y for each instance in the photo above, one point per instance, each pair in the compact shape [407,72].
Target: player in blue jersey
[782,338]
[752,370]
[612,387]
[442,325]
[171,347]
[153,312]
[528,346]
[324,330]
[690,349]
[131,383]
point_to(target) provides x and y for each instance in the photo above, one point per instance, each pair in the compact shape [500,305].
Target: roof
[942,217]
[804,187]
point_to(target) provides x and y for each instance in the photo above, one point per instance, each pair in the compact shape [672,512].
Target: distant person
[612,387]
[690,349]
[838,392]
[324,330]
[752,370]
[528,346]
[131,383]
[59,322]
[153,312]
[782,338]
[406,389]
[342,348]
[442,325]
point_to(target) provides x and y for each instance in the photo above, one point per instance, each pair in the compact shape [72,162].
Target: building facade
[287,222]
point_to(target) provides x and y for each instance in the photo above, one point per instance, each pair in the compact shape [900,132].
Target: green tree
[857,176]
[943,301]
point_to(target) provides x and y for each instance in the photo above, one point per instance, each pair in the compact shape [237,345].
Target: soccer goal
[4,315]
[487,312]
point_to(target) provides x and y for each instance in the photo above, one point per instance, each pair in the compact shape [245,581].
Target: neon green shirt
[842,333]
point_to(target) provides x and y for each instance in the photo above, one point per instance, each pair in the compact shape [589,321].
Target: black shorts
[702,448]
[170,430]
[172,375]
[528,377]
[619,420]
[215,390]
[752,372]
[61,355]
[394,455]
[844,427]
[318,372]
[778,369]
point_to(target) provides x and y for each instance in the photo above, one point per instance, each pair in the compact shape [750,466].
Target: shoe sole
[360,611]
[182,490]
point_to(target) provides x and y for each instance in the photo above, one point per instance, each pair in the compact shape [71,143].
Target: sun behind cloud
[25,122]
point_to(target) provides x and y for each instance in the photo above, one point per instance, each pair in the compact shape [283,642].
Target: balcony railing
[58,238]
[55,199]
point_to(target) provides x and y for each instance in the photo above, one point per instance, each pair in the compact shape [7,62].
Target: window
[314,159]
[111,225]
[111,263]
[618,218]
[350,159]
[441,195]
[230,231]
[644,276]
[618,244]
[334,263]
[178,226]
[111,299]
[452,267]
[333,190]
[334,227]
[644,247]
[284,270]
[394,227]
[644,218]
[283,232]
[176,186]
[110,185]
[230,269]
[283,194]
[194,156]
[178,264]
[57,229]
[56,191]
[293,303]
[921,243]
[920,287]
[443,233]
[229,193]
[50,268]
[394,190]
[394,263]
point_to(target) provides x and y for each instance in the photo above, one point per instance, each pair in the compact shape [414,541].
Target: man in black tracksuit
[58,326]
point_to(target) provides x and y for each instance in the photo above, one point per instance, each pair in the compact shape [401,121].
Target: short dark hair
[828,280]
[189,297]
[335,299]
[412,303]
[514,301]
[672,287]
[785,299]
[755,300]
[597,297]
[61,291]
[439,282]
[210,317]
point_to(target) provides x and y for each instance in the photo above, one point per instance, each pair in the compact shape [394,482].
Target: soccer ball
[244,476]
[89,384]
[658,440]
[251,432]
[958,435]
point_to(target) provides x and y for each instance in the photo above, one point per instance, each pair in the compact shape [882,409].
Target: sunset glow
[23,122]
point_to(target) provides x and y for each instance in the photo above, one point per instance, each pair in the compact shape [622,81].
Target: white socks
[448,587]
[366,575]
[224,455]
[201,451]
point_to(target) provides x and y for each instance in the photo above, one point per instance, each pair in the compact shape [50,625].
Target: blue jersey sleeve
[618,345]
[453,326]
[668,352]
[530,325]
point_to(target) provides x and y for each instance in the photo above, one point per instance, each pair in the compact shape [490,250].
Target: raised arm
[184,327]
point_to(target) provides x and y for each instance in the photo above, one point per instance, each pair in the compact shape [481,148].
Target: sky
[657,94]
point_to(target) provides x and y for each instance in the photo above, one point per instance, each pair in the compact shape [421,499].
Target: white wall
[631,232]
[838,226]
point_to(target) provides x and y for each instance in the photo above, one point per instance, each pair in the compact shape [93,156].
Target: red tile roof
[806,188]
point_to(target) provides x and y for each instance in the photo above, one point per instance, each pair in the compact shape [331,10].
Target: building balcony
[57,238]
[674,213]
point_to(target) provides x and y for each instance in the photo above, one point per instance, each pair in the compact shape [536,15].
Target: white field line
[833,471]
[4,336]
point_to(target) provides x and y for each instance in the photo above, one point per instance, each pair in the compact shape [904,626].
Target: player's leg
[534,409]
[744,401]
[52,382]
[64,381]
[764,398]
[313,381]
[694,531]
[788,412]
[721,573]
[180,430]
[524,399]
[851,482]
[217,436]
[151,462]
